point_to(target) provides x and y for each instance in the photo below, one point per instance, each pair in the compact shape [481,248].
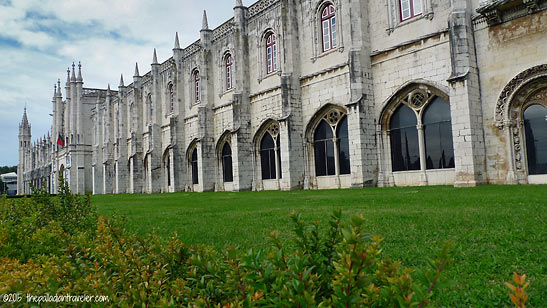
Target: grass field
[495,229]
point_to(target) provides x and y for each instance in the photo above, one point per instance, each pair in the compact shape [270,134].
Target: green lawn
[496,229]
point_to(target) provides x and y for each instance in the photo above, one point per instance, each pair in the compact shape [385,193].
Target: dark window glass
[324,150]
[279,156]
[343,146]
[439,148]
[267,157]
[194,162]
[405,153]
[535,129]
[168,169]
[227,163]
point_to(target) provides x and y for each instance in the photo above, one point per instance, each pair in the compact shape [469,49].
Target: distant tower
[25,135]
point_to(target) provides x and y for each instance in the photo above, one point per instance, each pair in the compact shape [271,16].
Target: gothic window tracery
[226,160]
[331,144]
[270,155]
[418,114]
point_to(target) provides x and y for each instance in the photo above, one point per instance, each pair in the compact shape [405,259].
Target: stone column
[465,101]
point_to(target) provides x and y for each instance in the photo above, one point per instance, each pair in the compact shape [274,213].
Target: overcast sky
[39,39]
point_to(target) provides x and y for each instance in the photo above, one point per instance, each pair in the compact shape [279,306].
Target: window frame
[228,70]
[331,119]
[330,19]
[227,161]
[194,166]
[196,82]
[412,9]
[171,92]
[271,53]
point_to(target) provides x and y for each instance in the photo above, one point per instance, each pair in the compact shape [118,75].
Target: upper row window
[328,27]
[271,53]
[410,8]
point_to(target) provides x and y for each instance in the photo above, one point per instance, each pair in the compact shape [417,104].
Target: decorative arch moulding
[513,89]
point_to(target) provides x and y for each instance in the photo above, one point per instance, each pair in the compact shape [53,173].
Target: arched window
[328,27]
[197,84]
[271,53]
[535,130]
[410,8]
[171,98]
[149,112]
[168,168]
[324,150]
[268,151]
[227,163]
[229,72]
[405,152]
[343,145]
[194,166]
[439,149]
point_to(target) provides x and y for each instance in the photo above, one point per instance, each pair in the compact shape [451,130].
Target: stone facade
[301,69]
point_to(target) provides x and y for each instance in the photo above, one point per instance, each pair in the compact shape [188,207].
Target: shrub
[70,251]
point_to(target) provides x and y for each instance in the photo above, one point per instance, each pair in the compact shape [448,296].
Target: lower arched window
[194,166]
[439,148]
[405,152]
[168,169]
[343,145]
[268,150]
[535,129]
[227,163]
[325,149]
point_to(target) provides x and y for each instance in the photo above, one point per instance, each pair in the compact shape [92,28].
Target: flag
[61,140]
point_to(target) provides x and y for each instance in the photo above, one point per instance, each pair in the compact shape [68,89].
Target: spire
[136,70]
[205,24]
[54,90]
[108,90]
[25,119]
[59,93]
[121,81]
[239,3]
[177,44]
[73,77]
[155,57]
[67,76]
[79,72]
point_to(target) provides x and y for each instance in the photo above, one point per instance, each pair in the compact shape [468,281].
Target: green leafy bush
[59,246]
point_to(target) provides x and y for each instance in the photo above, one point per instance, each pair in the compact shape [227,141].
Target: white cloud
[40,38]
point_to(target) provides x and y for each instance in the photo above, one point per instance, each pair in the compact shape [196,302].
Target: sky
[39,39]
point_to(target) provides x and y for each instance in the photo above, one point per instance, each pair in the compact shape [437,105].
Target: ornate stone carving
[503,104]
[517,147]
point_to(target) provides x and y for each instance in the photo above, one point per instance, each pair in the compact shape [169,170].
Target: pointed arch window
[270,154]
[331,145]
[227,163]
[171,98]
[197,86]
[194,166]
[168,169]
[271,53]
[420,131]
[328,27]
[535,131]
[229,71]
